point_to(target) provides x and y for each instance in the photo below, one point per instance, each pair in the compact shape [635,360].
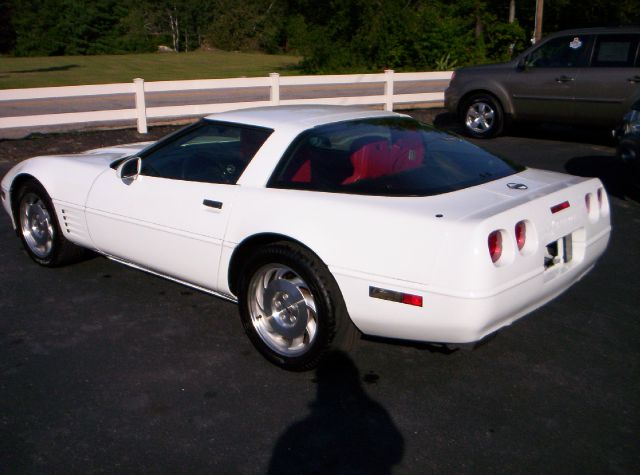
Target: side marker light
[393,296]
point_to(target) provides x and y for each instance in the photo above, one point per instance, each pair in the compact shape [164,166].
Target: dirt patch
[75,142]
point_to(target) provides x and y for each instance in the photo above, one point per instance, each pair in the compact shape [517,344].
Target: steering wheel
[201,167]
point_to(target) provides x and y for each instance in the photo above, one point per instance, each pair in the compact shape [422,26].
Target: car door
[543,86]
[171,217]
[605,90]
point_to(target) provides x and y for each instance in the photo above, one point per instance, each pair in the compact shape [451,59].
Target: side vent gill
[65,221]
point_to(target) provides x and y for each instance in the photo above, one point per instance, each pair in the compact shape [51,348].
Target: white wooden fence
[138,88]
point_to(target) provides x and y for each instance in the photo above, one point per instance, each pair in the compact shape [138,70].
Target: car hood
[68,178]
[109,154]
[98,158]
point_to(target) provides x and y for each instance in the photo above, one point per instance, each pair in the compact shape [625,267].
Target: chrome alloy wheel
[282,309]
[36,225]
[480,117]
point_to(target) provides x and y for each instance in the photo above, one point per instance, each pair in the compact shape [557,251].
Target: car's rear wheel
[291,307]
[482,116]
[39,230]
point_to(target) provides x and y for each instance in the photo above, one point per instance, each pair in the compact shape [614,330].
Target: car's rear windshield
[393,156]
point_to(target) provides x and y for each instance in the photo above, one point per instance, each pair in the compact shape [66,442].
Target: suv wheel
[482,116]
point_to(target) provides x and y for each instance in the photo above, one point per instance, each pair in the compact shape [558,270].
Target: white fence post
[274,95]
[388,89]
[141,107]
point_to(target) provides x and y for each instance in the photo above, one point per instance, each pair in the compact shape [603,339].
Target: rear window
[391,156]
[615,51]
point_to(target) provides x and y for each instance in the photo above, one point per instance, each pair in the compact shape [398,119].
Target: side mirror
[522,64]
[129,170]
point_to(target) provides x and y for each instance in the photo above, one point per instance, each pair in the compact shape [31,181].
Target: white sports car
[322,222]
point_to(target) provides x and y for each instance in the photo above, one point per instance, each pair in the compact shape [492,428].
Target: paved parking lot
[107,369]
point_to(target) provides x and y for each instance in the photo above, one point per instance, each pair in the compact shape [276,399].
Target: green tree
[7,31]
[59,27]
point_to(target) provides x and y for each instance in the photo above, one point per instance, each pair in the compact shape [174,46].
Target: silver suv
[587,76]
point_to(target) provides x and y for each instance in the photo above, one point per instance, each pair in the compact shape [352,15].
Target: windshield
[391,156]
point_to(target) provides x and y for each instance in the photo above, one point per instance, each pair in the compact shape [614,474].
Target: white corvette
[322,221]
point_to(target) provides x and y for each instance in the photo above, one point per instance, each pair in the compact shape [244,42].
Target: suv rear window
[392,157]
[615,51]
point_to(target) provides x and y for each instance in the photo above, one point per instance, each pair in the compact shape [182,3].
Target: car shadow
[563,133]
[418,345]
[556,132]
[346,431]
[615,176]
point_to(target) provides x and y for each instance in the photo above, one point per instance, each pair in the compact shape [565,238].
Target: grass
[77,70]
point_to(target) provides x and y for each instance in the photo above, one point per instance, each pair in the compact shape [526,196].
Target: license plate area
[558,252]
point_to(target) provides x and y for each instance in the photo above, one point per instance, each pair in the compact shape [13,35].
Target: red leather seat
[371,160]
[303,173]
[407,152]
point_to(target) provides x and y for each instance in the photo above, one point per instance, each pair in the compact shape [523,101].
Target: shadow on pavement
[616,178]
[557,132]
[346,432]
[563,133]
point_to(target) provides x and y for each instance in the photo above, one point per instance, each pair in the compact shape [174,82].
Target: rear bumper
[459,317]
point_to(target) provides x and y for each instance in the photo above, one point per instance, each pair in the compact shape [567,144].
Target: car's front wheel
[482,116]
[38,227]
[291,307]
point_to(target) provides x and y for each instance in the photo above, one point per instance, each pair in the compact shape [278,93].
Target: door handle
[564,79]
[634,79]
[212,204]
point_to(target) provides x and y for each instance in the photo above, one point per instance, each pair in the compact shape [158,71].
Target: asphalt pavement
[104,369]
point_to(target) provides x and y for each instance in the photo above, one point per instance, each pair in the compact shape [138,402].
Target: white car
[322,222]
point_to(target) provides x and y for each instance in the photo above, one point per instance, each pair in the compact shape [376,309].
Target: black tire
[285,281]
[39,229]
[482,116]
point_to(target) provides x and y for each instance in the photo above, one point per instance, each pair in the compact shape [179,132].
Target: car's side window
[562,52]
[615,51]
[315,161]
[214,152]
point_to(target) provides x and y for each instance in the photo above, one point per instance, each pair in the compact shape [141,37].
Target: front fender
[475,84]
[67,181]
[64,181]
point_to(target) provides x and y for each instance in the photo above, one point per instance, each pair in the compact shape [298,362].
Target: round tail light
[600,197]
[593,210]
[521,234]
[587,201]
[495,245]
